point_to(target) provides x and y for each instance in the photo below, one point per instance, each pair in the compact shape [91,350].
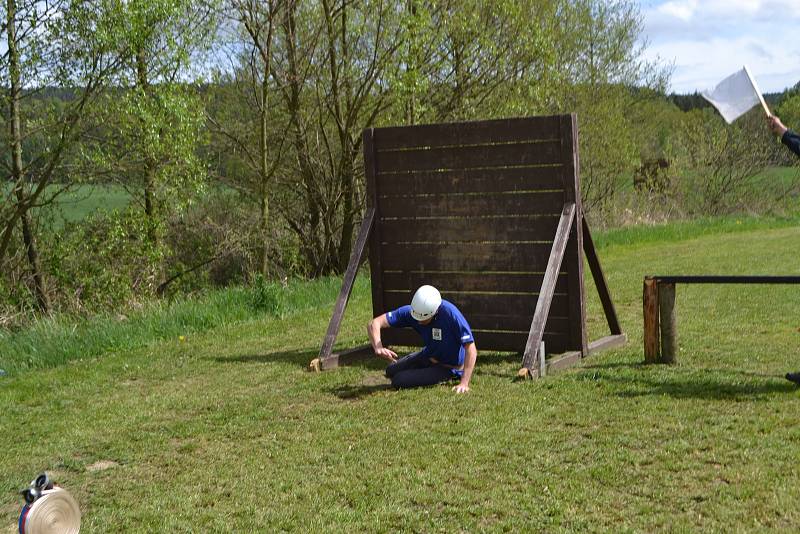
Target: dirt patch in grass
[102,465]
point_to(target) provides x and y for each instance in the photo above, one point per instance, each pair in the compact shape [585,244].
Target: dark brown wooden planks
[486,303]
[474,229]
[470,157]
[486,180]
[469,281]
[502,257]
[467,133]
[484,340]
[478,205]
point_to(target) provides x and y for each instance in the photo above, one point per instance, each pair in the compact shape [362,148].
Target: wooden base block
[527,374]
[566,360]
[341,358]
[608,342]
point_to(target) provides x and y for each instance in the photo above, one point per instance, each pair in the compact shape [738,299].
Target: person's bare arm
[374,331]
[470,357]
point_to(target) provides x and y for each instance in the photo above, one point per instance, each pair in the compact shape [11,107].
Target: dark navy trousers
[417,370]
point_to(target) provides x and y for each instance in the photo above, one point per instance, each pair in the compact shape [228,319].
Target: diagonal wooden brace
[548,288]
[600,281]
[347,284]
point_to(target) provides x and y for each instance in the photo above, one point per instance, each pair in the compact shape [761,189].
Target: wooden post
[667,321]
[650,308]
[573,260]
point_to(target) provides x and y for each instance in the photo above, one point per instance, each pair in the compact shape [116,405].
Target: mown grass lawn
[226,430]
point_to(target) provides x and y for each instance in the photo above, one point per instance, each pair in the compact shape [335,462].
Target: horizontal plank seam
[471,243]
[479,168]
[481,194]
[522,141]
[488,273]
[487,293]
[473,217]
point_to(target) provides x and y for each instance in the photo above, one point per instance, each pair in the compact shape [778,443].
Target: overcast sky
[709,39]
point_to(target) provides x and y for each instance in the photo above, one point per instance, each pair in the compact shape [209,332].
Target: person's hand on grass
[461,388]
[386,354]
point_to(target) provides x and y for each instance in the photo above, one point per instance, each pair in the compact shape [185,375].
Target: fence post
[650,309]
[668,323]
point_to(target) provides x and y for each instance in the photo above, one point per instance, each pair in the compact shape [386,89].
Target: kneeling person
[449,350]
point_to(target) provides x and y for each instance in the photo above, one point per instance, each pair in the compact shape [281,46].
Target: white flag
[735,95]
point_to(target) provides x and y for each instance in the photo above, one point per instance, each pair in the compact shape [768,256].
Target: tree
[720,163]
[257,144]
[153,121]
[601,53]
[330,64]
[62,44]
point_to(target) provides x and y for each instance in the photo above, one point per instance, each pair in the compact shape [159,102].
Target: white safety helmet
[425,303]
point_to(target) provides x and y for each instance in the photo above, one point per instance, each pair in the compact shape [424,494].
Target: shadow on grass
[691,387]
[592,364]
[360,391]
[299,357]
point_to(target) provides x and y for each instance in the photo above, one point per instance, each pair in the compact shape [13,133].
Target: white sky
[709,39]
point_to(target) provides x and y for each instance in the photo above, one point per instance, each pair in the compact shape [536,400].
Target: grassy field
[220,429]
[84,200]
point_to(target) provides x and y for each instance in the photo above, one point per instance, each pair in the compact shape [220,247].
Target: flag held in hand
[736,95]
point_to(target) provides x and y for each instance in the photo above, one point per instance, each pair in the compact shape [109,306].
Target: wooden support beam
[548,286]
[600,280]
[573,258]
[606,343]
[667,323]
[563,361]
[345,357]
[347,284]
[650,312]
[552,365]
[727,279]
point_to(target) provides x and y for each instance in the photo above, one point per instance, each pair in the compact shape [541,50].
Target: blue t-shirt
[444,337]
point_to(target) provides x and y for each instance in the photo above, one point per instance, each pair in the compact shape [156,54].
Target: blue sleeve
[792,141]
[464,331]
[401,317]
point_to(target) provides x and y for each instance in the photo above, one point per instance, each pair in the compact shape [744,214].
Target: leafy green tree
[601,54]
[61,44]
[721,163]
[254,140]
[154,119]
[330,67]
[469,59]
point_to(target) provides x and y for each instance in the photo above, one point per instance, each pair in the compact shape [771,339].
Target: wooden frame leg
[650,312]
[529,366]
[337,359]
[667,321]
[347,286]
